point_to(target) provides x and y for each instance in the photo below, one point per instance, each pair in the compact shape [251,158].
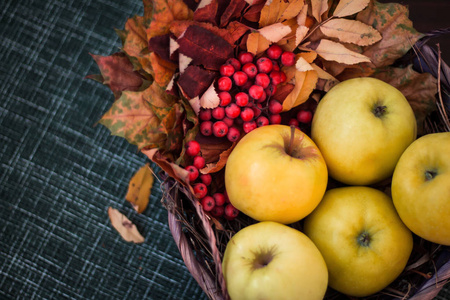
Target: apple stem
[291,141]
[379,110]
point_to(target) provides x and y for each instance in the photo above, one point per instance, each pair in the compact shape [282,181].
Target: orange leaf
[305,83]
[124,226]
[139,188]
[256,43]
[351,31]
[349,7]
[330,50]
[164,13]
[163,69]
[272,12]
[318,7]
[292,10]
[220,164]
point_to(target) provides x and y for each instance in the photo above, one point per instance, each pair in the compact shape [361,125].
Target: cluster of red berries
[245,89]
[217,204]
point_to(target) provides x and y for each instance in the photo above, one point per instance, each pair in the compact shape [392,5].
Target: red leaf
[204,47]
[254,12]
[161,46]
[207,13]
[194,81]
[233,10]
[118,73]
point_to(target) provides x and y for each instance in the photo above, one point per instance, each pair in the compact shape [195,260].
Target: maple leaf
[132,117]
[391,20]
[204,47]
[134,42]
[420,90]
[139,188]
[164,12]
[163,70]
[117,72]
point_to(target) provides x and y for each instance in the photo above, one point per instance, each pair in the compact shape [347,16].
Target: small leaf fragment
[349,7]
[139,188]
[210,98]
[256,43]
[127,230]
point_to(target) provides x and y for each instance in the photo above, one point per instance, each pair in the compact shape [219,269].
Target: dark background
[59,173]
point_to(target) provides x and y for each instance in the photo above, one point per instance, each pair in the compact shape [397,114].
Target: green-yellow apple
[361,237]
[269,260]
[362,126]
[421,187]
[276,173]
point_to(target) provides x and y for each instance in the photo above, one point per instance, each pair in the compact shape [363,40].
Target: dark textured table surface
[59,173]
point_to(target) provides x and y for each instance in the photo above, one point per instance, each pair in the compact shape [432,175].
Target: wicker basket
[202,241]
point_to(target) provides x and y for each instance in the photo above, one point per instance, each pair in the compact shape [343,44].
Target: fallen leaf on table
[139,188]
[124,226]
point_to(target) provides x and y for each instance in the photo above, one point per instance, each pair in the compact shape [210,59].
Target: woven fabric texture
[59,172]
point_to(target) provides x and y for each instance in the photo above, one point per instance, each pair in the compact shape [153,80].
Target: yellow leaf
[139,188]
[305,83]
[292,10]
[124,226]
[351,31]
[302,65]
[349,7]
[330,50]
[275,32]
[256,43]
[318,8]
[272,12]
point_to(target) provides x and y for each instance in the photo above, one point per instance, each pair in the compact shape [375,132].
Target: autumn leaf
[210,98]
[275,32]
[233,10]
[330,50]
[194,81]
[139,188]
[349,7]
[163,69]
[351,31]
[124,226]
[204,47]
[273,11]
[134,42]
[164,13]
[326,81]
[220,164]
[305,83]
[257,43]
[391,20]
[419,88]
[117,72]
[161,46]
[172,169]
[319,7]
[206,12]
[131,116]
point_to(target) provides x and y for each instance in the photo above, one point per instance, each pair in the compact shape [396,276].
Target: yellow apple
[269,260]
[421,187]
[276,173]
[362,126]
[361,237]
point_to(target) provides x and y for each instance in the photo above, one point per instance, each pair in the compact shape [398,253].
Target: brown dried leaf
[206,11]
[275,32]
[164,13]
[139,188]
[391,20]
[319,7]
[272,12]
[351,31]
[233,10]
[256,43]
[349,7]
[220,164]
[330,50]
[124,226]
[173,170]
[326,80]
[292,10]
[163,69]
